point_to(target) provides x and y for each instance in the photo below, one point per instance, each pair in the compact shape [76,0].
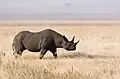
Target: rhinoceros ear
[72,41]
[65,39]
[63,35]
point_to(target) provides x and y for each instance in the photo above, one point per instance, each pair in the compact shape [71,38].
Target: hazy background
[60,9]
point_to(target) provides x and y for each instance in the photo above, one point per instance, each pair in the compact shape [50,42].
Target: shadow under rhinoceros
[81,55]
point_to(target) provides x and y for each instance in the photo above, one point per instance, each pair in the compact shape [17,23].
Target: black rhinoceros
[43,41]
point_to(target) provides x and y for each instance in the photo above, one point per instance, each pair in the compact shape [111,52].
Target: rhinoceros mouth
[70,49]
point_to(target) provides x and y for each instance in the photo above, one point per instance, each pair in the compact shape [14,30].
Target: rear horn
[73,39]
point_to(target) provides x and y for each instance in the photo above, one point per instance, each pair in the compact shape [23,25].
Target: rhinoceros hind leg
[17,54]
[43,52]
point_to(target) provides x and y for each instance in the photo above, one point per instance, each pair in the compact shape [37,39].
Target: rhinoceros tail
[13,48]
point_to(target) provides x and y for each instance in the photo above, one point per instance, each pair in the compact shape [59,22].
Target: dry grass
[97,68]
[96,57]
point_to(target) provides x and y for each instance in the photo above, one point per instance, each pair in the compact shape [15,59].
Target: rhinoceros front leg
[42,53]
[55,55]
[54,52]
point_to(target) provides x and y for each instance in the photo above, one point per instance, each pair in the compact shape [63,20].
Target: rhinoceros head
[69,45]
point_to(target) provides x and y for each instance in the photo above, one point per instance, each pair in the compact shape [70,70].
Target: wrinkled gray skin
[43,41]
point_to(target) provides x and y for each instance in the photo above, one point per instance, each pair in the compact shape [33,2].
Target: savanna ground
[97,55]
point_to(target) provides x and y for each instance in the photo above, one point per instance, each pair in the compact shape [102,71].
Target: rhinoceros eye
[69,44]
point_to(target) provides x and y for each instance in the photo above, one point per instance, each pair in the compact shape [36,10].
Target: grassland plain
[96,57]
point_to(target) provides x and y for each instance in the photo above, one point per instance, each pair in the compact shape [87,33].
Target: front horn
[77,42]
